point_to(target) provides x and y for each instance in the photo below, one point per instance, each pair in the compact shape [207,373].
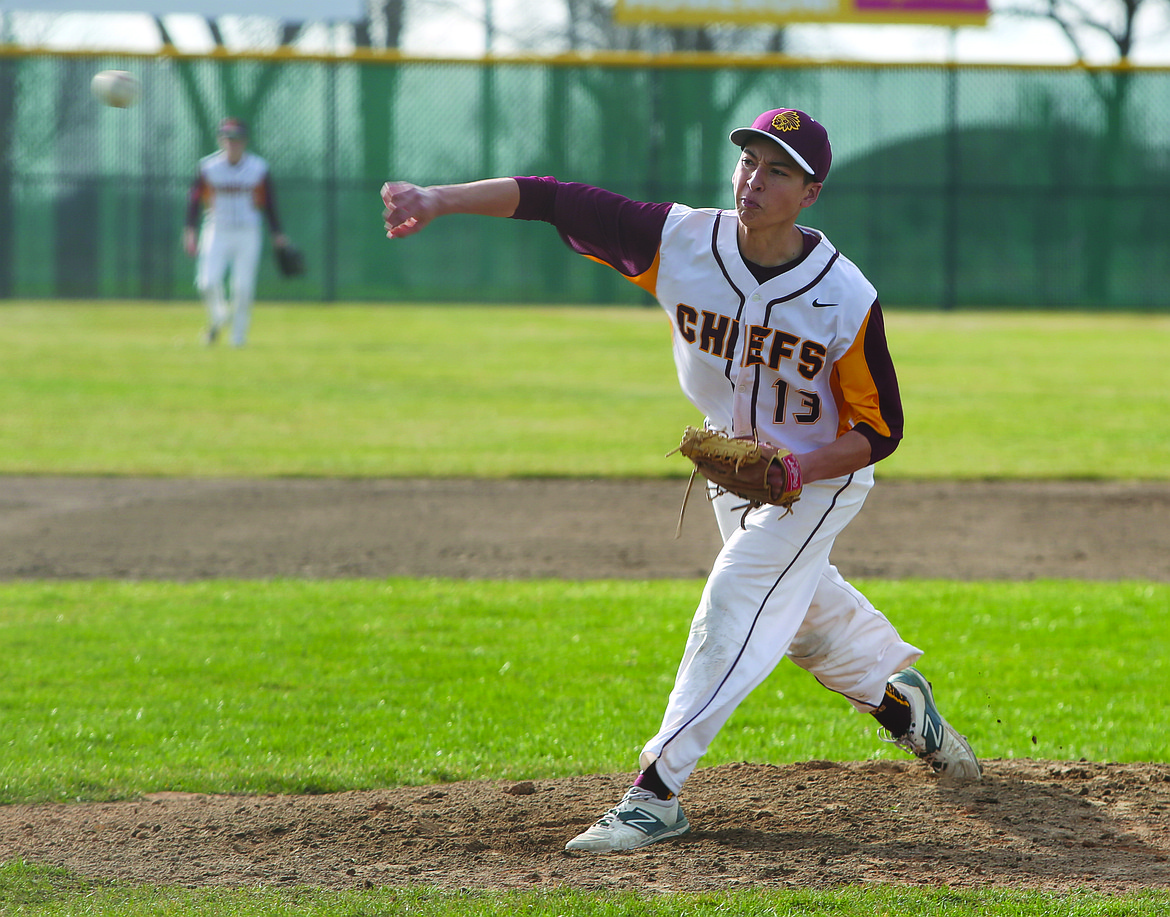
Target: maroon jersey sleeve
[599,224]
[266,202]
[196,199]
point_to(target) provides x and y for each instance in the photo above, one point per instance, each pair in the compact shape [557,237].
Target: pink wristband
[791,474]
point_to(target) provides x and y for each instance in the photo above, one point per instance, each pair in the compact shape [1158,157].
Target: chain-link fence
[951,185]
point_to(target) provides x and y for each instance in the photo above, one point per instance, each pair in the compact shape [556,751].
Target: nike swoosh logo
[817,304]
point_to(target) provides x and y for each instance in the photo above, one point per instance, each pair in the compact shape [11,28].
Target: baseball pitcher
[779,341]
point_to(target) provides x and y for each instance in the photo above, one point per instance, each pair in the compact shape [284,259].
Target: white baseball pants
[772,592]
[223,249]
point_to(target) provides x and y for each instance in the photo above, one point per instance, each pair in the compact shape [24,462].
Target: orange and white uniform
[796,356]
[233,200]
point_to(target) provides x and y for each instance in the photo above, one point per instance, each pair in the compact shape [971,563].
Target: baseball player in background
[232,191]
[778,336]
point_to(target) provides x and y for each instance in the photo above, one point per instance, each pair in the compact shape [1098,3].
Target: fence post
[329,280]
[951,193]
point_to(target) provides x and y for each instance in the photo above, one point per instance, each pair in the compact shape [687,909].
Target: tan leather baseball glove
[740,466]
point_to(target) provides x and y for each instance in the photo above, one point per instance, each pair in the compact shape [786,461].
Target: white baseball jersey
[784,359]
[797,358]
[233,196]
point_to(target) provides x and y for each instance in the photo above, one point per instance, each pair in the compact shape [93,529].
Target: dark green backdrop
[951,186]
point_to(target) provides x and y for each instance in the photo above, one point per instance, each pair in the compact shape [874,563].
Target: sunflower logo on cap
[786,121]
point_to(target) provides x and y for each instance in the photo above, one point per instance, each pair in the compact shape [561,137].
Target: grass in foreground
[511,392]
[28,889]
[115,689]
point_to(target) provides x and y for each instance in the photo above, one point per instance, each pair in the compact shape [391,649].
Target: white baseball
[116,88]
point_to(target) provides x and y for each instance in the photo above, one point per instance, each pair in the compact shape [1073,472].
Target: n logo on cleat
[644,821]
[932,733]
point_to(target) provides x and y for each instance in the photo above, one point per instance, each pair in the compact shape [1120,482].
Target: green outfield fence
[951,186]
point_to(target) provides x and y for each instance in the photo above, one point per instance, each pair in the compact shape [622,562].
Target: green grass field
[261,687]
[502,392]
[53,893]
[404,391]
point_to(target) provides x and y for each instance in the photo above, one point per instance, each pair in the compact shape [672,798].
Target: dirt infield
[75,528]
[1029,824]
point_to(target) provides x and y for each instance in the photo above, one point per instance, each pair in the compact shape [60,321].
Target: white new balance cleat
[641,818]
[930,737]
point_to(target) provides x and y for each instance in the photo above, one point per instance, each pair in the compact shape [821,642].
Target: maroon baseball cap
[233,129]
[804,139]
